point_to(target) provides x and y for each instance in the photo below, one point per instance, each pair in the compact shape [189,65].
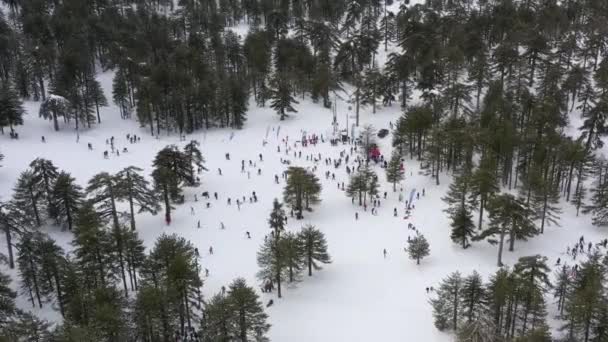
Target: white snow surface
[361,296]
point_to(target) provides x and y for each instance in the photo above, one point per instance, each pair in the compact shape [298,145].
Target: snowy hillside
[372,290]
[361,296]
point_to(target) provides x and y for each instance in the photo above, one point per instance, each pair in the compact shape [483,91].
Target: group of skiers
[347,159]
[579,248]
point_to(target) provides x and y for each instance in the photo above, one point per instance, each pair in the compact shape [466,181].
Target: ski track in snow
[361,296]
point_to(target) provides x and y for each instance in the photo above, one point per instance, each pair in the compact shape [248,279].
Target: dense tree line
[180,68]
[512,305]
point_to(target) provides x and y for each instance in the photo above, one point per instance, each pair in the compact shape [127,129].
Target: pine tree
[463,227]
[134,255]
[270,257]
[480,330]
[460,204]
[388,89]
[301,190]
[281,99]
[171,170]
[150,314]
[562,286]
[27,195]
[53,107]
[271,262]
[418,248]
[484,184]
[586,302]
[363,183]
[8,308]
[372,81]
[105,192]
[394,174]
[579,198]
[92,248]
[357,187]
[532,276]
[14,220]
[53,265]
[447,304]
[28,263]
[248,320]
[501,294]
[67,196]
[172,266]
[314,248]
[291,251]
[599,204]
[277,218]
[45,175]
[11,108]
[434,153]
[25,326]
[544,200]
[96,96]
[540,334]
[120,94]
[472,296]
[135,189]
[368,140]
[107,314]
[508,217]
[195,159]
[218,319]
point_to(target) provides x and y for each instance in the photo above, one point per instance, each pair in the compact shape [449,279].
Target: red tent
[374,153]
